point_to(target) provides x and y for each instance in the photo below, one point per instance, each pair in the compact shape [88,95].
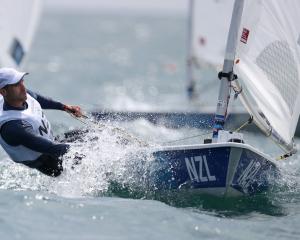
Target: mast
[227,73]
[190,73]
[224,93]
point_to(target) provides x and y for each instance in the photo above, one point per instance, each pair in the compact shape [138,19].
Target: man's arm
[20,132]
[48,103]
[45,102]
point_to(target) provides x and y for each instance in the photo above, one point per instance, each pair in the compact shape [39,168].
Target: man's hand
[75,110]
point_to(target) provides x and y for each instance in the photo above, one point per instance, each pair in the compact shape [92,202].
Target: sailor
[25,132]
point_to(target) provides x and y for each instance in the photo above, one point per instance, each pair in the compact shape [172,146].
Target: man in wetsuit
[25,133]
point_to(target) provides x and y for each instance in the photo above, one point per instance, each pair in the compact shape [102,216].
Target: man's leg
[46,164]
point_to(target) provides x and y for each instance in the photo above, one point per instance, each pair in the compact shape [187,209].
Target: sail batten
[268,64]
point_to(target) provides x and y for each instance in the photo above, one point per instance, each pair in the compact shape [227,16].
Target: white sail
[18,20]
[268,63]
[210,21]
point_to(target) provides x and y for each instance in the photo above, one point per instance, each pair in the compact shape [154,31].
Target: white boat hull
[222,169]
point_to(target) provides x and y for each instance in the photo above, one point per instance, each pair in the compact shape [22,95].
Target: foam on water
[115,163]
[105,154]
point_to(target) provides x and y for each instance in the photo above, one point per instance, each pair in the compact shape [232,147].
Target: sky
[170,6]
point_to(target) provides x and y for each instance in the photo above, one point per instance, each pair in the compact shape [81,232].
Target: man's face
[16,92]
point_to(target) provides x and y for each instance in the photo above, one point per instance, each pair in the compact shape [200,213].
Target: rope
[126,134]
[120,130]
[284,156]
[78,118]
[236,92]
[181,139]
[249,121]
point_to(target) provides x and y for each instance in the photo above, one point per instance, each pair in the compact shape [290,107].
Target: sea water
[130,62]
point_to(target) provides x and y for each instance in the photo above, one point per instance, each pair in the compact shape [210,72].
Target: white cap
[10,76]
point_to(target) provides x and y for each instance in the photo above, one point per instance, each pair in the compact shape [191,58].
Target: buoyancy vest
[36,118]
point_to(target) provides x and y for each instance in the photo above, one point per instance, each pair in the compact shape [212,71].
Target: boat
[261,66]
[18,22]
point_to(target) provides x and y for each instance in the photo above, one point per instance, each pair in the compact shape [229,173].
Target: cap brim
[19,77]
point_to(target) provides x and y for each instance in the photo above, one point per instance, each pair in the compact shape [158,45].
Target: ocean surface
[130,62]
